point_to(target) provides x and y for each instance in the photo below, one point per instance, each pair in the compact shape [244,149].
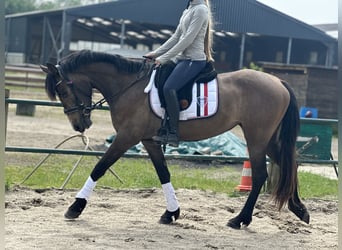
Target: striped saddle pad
[204,102]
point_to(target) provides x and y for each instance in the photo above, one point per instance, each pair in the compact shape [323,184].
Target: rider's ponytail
[208,41]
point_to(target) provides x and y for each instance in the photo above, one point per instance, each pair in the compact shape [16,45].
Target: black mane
[75,60]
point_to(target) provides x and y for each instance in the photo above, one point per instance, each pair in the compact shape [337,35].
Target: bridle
[79,106]
[86,110]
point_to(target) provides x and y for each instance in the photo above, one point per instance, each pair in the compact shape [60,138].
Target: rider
[190,48]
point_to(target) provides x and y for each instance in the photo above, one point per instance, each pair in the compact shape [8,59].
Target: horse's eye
[63,94]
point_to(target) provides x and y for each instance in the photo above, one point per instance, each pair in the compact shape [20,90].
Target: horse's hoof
[300,211]
[237,221]
[75,209]
[233,224]
[167,217]
[306,218]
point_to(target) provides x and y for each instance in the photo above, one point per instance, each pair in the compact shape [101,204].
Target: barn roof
[144,24]
[239,16]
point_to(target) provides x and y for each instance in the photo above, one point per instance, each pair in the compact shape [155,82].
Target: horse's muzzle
[81,127]
[87,122]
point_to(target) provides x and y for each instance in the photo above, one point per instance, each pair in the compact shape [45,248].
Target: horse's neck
[114,86]
[110,82]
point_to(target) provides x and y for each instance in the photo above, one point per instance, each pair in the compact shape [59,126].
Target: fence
[31,76]
[314,137]
[100,153]
[28,76]
[322,122]
[34,78]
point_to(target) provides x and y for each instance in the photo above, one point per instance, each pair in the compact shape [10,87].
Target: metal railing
[29,76]
[221,158]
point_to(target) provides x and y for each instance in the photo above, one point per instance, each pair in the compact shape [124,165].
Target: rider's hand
[149,56]
[156,62]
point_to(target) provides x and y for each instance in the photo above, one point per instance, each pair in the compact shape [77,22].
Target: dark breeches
[184,71]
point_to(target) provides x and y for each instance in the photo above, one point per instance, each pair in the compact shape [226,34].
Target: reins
[87,109]
[138,78]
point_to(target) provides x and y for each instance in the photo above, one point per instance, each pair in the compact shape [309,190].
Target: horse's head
[75,96]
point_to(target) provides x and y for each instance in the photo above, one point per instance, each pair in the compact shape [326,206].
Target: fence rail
[100,153]
[28,76]
[42,103]
[236,159]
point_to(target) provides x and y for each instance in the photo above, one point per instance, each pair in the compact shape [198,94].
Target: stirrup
[168,138]
[172,140]
[161,139]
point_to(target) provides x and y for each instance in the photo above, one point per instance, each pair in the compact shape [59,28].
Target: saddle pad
[204,102]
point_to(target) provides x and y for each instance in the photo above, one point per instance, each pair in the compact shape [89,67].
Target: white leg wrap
[170,195]
[87,189]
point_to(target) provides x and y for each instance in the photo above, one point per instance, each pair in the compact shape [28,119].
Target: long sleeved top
[188,40]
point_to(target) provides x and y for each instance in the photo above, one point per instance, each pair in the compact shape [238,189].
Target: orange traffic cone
[246,178]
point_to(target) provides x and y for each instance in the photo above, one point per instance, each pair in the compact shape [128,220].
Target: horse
[264,106]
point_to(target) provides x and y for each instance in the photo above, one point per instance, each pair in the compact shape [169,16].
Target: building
[314,86]
[245,31]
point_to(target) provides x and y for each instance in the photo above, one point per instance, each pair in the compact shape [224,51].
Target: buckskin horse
[261,104]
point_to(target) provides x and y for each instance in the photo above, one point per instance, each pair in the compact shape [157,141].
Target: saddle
[185,93]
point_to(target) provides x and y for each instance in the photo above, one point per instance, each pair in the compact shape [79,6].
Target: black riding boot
[172,110]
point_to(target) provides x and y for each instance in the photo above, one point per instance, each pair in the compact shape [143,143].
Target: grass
[139,173]
[135,174]
[316,186]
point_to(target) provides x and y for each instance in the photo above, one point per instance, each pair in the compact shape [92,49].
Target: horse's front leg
[172,207]
[119,146]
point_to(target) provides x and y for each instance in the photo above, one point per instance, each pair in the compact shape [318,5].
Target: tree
[56,4]
[17,6]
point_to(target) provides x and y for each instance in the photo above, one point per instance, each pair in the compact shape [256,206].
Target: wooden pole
[7,93]
[273,176]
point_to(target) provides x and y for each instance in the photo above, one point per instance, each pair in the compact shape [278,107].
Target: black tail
[288,167]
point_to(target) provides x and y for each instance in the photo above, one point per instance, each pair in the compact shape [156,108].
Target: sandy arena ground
[128,219]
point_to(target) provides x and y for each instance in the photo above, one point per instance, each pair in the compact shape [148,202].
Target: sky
[309,11]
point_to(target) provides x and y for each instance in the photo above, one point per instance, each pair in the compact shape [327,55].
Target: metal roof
[251,16]
[144,24]
[239,16]
[144,11]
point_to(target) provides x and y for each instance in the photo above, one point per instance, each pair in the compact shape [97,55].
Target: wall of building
[314,87]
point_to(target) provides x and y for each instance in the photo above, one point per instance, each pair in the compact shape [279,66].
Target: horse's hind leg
[294,204]
[259,175]
[156,154]
[298,208]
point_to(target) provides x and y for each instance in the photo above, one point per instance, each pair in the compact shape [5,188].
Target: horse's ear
[49,68]
[44,68]
[52,68]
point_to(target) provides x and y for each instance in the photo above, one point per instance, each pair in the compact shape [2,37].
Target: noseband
[79,106]
[86,110]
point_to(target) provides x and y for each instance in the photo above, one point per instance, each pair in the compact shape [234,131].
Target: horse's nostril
[79,128]
[89,123]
